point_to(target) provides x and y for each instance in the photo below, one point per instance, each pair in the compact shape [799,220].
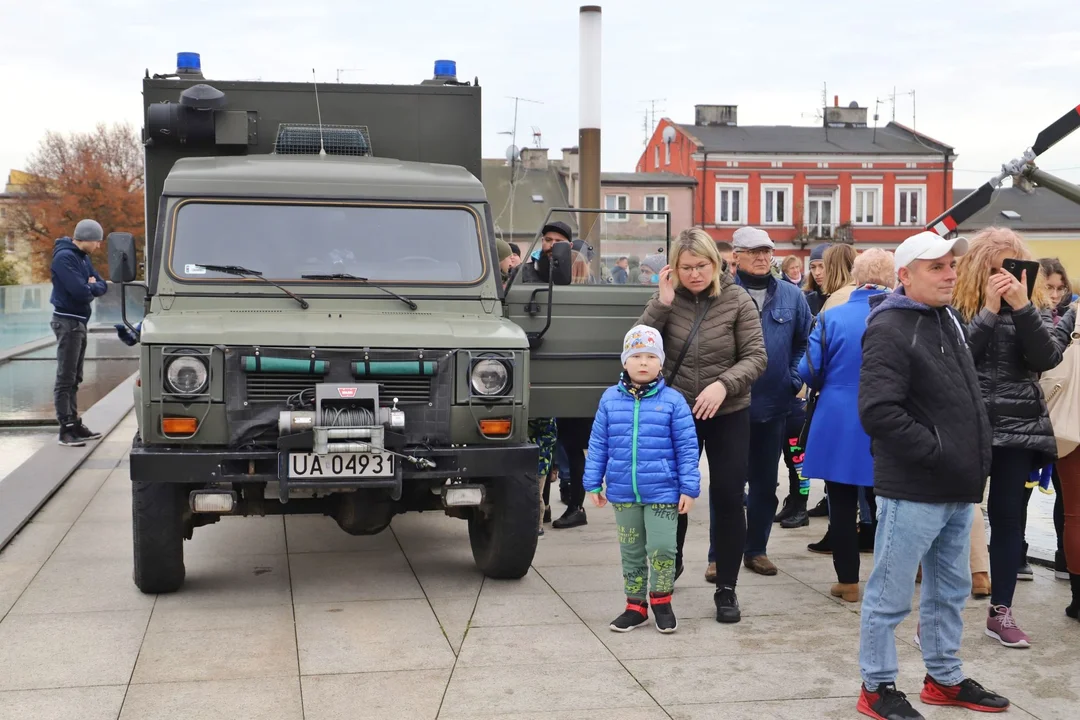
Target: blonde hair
[697,241]
[788,262]
[973,270]
[874,267]
[838,261]
[580,273]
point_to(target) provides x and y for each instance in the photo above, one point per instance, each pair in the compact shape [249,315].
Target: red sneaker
[968,694]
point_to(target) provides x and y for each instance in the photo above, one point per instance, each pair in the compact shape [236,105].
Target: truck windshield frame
[409,243]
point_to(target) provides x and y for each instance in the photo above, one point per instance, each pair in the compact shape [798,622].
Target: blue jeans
[766,444]
[938,535]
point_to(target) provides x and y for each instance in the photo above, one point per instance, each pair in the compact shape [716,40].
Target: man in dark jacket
[537,269]
[919,402]
[785,324]
[75,285]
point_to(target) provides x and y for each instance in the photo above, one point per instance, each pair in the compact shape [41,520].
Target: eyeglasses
[700,268]
[757,252]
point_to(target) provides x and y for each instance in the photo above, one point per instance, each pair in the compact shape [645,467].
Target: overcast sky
[987,74]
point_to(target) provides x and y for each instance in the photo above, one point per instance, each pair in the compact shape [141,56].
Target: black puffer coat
[1010,349]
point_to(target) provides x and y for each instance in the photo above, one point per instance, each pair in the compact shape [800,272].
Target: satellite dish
[854,105]
[668,134]
[512,153]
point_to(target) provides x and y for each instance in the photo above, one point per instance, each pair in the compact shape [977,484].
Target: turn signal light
[496,428]
[179,426]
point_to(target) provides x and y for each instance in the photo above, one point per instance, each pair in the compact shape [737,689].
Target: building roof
[645,178]
[535,192]
[311,176]
[1041,210]
[892,139]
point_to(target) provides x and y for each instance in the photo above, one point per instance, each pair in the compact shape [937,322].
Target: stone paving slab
[292,619]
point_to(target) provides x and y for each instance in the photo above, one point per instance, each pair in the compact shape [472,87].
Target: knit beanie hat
[503,248]
[642,339]
[88,231]
[818,253]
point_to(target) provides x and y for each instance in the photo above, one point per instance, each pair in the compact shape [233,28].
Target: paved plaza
[290,618]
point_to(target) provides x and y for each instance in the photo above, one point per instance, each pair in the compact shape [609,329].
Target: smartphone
[1016,268]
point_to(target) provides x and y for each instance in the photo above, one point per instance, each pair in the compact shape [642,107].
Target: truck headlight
[490,377]
[186,375]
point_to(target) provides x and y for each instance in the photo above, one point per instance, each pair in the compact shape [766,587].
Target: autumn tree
[96,175]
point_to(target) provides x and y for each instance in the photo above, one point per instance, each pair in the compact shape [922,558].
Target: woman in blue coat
[838,449]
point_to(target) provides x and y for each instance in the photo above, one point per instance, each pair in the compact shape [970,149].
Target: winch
[343,415]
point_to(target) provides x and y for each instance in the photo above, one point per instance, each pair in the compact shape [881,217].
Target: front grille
[277,387]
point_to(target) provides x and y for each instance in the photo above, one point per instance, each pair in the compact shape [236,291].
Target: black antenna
[322,148]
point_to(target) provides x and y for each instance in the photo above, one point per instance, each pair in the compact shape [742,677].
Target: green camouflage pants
[647,541]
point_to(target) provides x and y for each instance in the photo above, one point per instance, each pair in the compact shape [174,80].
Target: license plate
[340,465]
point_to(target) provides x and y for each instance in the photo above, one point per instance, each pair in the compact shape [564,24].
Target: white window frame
[659,217]
[908,187]
[744,191]
[878,191]
[667,153]
[617,214]
[656,156]
[835,207]
[789,202]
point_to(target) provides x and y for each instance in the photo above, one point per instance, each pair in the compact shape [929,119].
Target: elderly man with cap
[537,269]
[75,284]
[919,401]
[785,324]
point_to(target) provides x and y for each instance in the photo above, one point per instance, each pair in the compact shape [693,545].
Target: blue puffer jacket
[785,323]
[646,449]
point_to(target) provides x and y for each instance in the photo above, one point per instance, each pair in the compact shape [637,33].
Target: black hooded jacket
[1010,349]
[919,401]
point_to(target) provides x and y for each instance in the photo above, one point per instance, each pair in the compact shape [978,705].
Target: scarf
[636,391]
[754,282]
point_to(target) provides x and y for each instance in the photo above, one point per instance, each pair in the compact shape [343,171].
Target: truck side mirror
[562,262]
[122,261]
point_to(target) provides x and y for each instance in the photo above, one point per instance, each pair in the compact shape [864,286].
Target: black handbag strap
[690,338]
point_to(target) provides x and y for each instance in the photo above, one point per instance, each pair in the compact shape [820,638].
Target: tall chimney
[589,122]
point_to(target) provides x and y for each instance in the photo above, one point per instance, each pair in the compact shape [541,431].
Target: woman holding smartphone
[1011,338]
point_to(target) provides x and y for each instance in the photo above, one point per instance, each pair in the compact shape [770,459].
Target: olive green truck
[326,330]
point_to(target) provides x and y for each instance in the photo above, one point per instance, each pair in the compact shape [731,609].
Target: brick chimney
[708,115]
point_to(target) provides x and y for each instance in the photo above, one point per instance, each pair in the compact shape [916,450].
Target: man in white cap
[75,286]
[919,402]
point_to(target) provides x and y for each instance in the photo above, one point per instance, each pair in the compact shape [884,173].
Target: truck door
[577,355]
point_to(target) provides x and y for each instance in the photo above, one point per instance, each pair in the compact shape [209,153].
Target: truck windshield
[385,243]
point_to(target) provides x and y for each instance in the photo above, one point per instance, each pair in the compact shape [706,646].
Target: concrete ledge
[29,486]
[27,347]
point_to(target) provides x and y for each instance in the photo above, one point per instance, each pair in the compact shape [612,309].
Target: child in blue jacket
[644,445]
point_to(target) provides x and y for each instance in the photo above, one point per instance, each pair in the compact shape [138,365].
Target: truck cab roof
[321,177]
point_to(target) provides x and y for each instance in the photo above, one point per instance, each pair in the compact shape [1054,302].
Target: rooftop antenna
[322,148]
[877,104]
[537,136]
[650,114]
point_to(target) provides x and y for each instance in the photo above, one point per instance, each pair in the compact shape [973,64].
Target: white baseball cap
[928,245]
[750,238]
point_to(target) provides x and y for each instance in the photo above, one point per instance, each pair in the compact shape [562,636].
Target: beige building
[17,247]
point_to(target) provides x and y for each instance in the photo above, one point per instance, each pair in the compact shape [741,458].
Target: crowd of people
[908,382]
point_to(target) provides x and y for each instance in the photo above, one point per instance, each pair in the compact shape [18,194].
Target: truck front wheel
[503,534]
[157,527]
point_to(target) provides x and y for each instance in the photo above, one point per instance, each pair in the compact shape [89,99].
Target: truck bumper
[202,465]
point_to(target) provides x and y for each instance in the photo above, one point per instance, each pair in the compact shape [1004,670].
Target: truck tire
[157,528]
[504,540]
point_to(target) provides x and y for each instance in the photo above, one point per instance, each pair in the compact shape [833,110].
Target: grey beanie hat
[88,231]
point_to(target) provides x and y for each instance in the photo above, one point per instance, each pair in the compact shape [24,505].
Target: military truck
[325,328]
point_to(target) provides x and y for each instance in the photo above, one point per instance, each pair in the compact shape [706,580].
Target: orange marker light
[179,426]
[500,428]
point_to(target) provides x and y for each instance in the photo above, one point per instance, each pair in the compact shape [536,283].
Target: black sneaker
[1061,570]
[1025,572]
[886,703]
[727,605]
[800,519]
[572,518]
[967,694]
[69,436]
[787,510]
[820,510]
[636,614]
[86,433]
[663,615]
[822,546]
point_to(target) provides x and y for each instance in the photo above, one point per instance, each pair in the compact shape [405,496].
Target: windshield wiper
[365,281]
[244,272]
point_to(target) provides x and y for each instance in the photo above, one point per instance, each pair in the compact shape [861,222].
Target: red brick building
[805,185]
